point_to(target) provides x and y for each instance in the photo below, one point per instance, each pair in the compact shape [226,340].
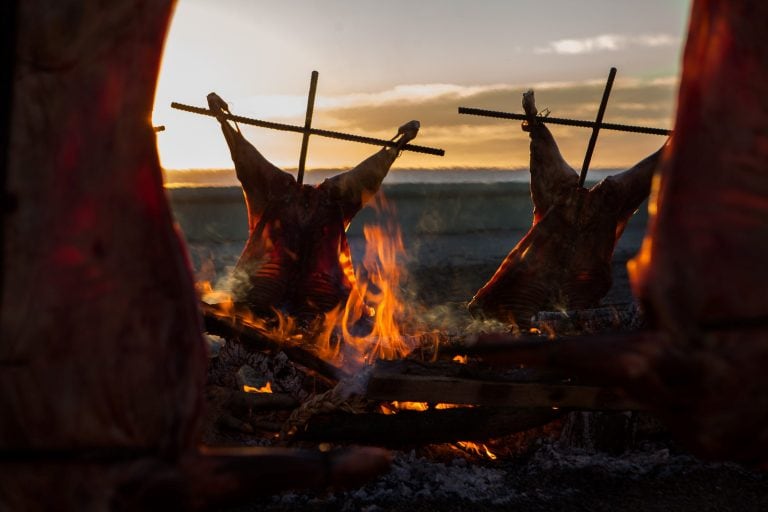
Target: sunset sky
[383,63]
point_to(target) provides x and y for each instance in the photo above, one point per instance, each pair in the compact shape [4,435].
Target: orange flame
[479,449]
[376,295]
[267,388]
[375,299]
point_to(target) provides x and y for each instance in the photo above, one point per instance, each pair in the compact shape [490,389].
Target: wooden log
[201,479]
[258,339]
[243,401]
[409,428]
[475,370]
[387,385]
[619,317]
[233,409]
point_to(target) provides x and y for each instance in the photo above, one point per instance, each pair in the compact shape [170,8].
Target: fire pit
[107,387]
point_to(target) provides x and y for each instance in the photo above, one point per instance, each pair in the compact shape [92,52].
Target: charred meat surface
[564,261]
[102,360]
[702,269]
[297,258]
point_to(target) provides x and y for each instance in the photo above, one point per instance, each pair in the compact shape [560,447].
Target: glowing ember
[411,406]
[267,388]
[478,449]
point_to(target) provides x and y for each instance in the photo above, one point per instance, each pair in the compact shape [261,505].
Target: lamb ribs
[701,272]
[564,261]
[102,360]
[297,258]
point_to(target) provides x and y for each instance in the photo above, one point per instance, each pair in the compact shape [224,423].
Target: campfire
[110,399]
[368,368]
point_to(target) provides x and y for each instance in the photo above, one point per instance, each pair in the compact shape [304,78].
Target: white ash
[414,478]
[418,480]
[234,360]
[634,464]
[215,344]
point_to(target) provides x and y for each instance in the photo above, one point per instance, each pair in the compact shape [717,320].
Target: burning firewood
[410,428]
[564,261]
[702,269]
[297,258]
[101,354]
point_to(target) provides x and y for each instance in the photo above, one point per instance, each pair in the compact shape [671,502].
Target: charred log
[254,338]
[413,428]
[241,401]
[387,384]
[621,317]
[564,261]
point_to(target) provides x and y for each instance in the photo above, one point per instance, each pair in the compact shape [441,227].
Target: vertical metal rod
[307,126]
[596,129]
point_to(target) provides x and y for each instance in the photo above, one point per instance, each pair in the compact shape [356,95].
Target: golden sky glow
[383,64]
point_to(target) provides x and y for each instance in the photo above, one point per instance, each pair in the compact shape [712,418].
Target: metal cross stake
[596,125]
[307,129]
[596,128]
[307,126]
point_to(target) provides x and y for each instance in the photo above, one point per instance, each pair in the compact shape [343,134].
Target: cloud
[606,42]
[472,140]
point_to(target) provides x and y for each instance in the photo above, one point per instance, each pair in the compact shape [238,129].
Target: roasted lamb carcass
[564,261]
[102,360]
[297,259]
[701,272]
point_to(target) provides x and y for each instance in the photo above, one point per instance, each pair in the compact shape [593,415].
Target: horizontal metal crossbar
[312,131]
[567,122]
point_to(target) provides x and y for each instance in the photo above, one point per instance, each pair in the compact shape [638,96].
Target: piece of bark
[620,317]
[564,261]
[413,428]
[474,370]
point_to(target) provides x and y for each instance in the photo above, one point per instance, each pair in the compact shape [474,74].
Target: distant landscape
[189,178]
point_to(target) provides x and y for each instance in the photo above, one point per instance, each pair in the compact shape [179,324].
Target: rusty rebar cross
[596,125]
[307,129]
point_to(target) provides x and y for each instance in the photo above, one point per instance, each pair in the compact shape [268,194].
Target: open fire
[376,323]
[104,365]
[296,291]
[369,326]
